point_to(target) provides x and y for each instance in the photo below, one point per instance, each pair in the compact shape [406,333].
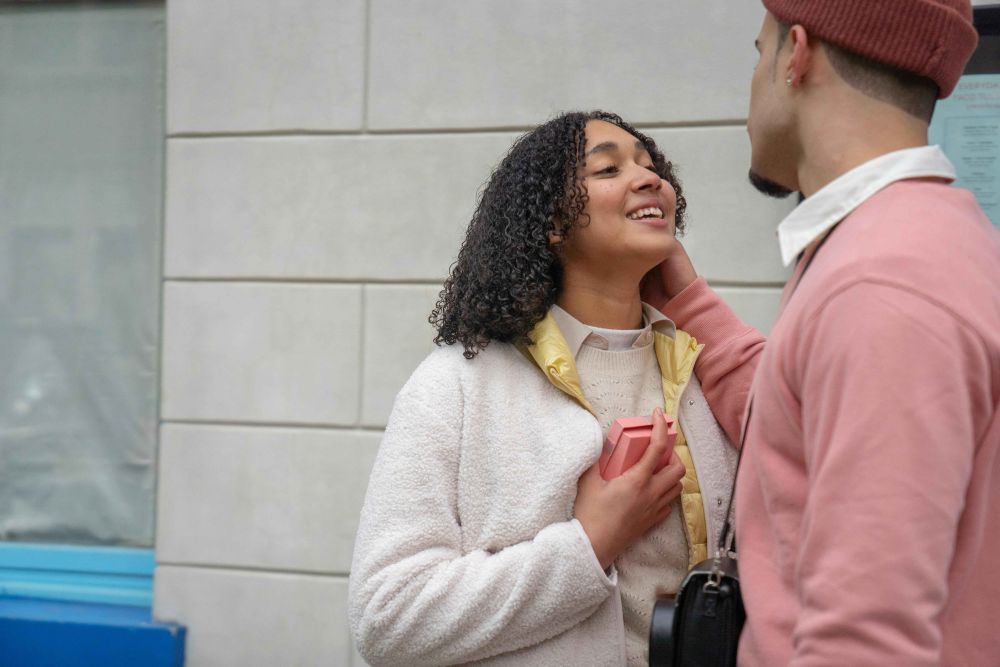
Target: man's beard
[768,187]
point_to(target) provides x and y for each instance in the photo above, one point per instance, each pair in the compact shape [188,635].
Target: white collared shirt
[577,333]
[834,201]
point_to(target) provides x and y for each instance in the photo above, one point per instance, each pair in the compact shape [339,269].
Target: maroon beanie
[931,38]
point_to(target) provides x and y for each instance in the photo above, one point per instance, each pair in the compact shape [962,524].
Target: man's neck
[839,139]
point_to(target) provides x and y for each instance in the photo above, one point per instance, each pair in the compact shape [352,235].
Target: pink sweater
[868,499]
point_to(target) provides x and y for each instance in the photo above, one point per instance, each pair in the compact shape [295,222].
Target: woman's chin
[655,251]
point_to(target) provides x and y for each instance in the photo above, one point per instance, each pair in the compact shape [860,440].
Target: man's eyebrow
[609,146]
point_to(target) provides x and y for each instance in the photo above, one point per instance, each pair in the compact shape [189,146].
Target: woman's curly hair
[507,274]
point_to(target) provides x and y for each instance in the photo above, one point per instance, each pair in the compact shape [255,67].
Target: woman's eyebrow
[609,146]
[606,147]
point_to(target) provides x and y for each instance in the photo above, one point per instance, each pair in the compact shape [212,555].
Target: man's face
[769,123]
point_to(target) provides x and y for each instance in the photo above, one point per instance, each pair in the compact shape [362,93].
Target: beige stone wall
[322,162]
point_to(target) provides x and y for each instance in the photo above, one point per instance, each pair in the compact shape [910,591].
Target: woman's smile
[649,213]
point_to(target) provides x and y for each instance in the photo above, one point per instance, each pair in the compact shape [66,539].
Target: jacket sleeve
[417,597]
[732,349]
[892,387]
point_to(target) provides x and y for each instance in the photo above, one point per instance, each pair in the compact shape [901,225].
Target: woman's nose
[646,180]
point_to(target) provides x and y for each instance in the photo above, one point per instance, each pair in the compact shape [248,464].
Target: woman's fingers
[590,479]
[675,491]
[664,512]
[672,473]
[658,444]
[615,513]
[666,502]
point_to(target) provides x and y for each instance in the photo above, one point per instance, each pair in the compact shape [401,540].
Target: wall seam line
[444,131]
[353,281]
[250,569]
[234,423]
[363,312]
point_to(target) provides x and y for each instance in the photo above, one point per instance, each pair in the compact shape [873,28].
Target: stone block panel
[238,618]
[397,338]
[261,352]
[345,208]
[504,63]
[265,65]
[269,498]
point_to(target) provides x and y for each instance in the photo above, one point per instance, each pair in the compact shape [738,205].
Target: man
[868,496]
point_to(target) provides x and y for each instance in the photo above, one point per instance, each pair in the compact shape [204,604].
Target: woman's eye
[651,167]
[611,169]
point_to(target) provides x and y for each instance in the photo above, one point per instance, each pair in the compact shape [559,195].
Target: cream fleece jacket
[467,548]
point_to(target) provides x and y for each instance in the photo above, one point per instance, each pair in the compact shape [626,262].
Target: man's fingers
[651,287]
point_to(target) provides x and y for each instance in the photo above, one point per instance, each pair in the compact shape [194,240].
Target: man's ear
[800,60]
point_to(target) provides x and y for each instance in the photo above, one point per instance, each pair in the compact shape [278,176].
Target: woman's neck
[603,306]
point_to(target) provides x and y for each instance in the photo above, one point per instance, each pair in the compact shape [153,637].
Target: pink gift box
[627,442]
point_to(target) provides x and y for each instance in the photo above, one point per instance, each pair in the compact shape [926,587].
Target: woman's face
[631,208]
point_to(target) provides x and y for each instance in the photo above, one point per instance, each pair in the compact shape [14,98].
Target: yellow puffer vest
[676,357]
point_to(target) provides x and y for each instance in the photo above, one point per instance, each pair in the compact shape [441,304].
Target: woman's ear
[555,239]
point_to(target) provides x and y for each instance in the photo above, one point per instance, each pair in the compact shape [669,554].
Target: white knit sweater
[467,548]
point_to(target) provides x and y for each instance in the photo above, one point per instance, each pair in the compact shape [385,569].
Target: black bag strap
[727,536]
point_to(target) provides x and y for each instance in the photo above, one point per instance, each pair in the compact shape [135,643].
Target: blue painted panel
[110,575]
[116,560]
[37,633]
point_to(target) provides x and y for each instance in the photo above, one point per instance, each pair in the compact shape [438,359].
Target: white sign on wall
[967,127]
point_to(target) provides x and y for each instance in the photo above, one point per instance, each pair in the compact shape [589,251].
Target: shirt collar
[834,201]
[577,333]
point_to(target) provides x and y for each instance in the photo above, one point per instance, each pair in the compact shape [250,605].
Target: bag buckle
[714,580]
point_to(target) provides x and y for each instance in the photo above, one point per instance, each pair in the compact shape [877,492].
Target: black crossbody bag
[701,626]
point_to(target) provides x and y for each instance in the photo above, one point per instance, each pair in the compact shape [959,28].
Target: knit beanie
[930,38]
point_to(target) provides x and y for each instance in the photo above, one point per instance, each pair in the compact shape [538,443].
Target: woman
[488,532]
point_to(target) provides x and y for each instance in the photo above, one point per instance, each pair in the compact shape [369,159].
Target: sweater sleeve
[732,349]
[892,386]
[417,597]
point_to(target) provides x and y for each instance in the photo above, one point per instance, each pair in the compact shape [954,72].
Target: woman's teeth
[645,213]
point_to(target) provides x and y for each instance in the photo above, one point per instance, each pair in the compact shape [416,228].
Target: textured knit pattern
[869,493]
[931,38]
[625,384]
